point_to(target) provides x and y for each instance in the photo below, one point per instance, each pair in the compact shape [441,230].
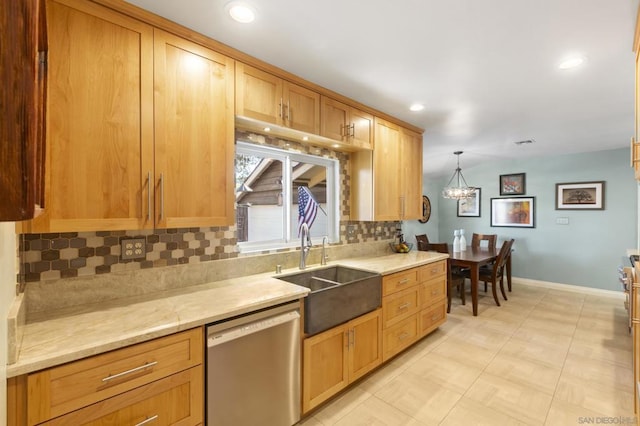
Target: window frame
[332,187]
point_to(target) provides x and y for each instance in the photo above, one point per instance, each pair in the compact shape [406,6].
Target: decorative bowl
[396,249]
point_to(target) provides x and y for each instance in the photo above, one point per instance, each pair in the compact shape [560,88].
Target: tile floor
[545,357]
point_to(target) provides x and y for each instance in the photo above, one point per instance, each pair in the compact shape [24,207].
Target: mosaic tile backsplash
[52,256]
[72,254]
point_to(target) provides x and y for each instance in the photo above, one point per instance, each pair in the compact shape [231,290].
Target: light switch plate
[562,221]
[133,248]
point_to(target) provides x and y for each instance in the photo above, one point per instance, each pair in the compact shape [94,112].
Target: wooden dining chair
[491,240]
[454,280]
[495,273]
[423,242]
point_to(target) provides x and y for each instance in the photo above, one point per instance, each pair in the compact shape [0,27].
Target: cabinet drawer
[400,305]
[398,337]
[175,400]
[62,389]
[399,281]
[433,291]
[431,318]
[432,270]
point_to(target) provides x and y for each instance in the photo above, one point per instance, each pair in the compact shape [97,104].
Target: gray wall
[411,228]
[588,250]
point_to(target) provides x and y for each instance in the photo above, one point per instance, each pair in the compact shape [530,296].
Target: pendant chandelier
[458,192]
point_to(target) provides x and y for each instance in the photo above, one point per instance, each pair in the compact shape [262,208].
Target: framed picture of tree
[580,196]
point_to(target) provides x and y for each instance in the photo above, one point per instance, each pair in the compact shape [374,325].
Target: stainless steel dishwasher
[253,369]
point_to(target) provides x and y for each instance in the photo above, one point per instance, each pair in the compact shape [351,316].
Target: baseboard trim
[569,287]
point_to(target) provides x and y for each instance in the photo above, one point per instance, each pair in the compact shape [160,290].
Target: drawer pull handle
[404,306]
[149,420]
[434,271]
[403,335]
[403,281]
[133,370]
[435,317]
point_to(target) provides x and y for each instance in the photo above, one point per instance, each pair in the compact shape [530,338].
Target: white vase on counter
[456,240]
[463,241]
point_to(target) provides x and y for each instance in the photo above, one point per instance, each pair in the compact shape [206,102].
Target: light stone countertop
[77,333]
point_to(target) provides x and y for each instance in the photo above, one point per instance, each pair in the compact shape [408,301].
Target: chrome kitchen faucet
[304,247]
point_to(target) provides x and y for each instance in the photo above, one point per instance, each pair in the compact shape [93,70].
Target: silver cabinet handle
[161,196]
[281,107]
[133,370]
[149,420]
[403,335]
[288,110]
[149,188]
[404,306]
[403,281]
[352,133]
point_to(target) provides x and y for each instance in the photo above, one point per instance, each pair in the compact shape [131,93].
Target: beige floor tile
[539,336]
[558,317]
[445,372]
[513,399]
[605,326]
[483,337]
[374,411]
[419,398]
[549,325]
[598,372]
[341,406]
[559,306]
[609,401]
[598,338]
[309,421]
[465,352]
[564,414]
[544,353]
[469,412]
[525,372]
[612,355]
[378,379]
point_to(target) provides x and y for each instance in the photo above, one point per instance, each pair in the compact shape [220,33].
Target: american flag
[307,208]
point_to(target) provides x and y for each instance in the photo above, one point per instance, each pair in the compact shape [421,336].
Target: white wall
[7,294]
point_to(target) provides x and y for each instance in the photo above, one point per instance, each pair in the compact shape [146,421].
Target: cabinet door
[194,133]
[362,131]
[258,95]
[324,367]
[100,131]
[302,109]
[365,337]
[411,167]
[388,171]
[334,117]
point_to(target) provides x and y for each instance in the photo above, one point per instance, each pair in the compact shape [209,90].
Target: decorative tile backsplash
[52,256]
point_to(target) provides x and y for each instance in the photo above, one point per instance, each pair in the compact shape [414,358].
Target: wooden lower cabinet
[414,304]
[163,377]
[337,357]
[175,400]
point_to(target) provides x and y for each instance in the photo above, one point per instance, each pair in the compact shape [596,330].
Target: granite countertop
[72,334]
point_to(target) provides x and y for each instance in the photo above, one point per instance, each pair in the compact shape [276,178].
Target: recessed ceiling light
[267,129]
[416,107]
[572,62]
[241,12]
[305,138]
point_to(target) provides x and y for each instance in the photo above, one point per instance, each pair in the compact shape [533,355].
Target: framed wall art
[470,207]
[580,196]
[515,212]
[513,184]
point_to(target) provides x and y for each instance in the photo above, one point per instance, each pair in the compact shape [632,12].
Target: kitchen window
[268,181]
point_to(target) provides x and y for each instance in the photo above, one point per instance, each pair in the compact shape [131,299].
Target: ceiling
[486,71]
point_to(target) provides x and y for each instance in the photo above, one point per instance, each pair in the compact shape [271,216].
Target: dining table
[473,258]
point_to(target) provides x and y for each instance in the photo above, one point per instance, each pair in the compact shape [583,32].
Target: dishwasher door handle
[218,338]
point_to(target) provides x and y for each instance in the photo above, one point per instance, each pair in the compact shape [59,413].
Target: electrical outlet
[133,248]
[351,230]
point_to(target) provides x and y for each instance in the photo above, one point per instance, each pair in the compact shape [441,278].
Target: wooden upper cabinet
[411,166]
[342,122]
[386,183]
[23,75]
[100,115]
[388,171]
[194,134]
[270,99]
[140,132]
